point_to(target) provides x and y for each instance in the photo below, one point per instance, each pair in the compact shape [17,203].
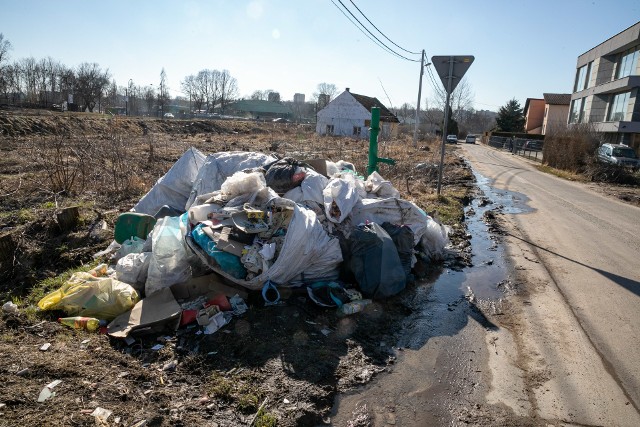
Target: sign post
[450,69]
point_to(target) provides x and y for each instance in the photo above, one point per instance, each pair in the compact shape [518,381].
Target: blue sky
[522,48]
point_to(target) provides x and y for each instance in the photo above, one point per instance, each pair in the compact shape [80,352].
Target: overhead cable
[361,27]
[383,34]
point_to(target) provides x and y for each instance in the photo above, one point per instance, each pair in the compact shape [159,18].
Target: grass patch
[237,389]
[448,207]
[265,419]
[569,176]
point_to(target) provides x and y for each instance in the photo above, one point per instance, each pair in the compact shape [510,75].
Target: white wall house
[349,114]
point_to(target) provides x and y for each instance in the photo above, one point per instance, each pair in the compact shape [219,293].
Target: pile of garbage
[214,227]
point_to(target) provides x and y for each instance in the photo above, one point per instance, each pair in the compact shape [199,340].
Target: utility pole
[415,129]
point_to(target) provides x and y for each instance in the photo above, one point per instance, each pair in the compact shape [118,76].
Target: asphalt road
[577,344]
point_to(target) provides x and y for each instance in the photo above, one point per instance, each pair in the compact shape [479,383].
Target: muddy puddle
[441,350]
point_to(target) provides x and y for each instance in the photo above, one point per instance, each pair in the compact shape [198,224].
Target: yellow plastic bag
[90,296]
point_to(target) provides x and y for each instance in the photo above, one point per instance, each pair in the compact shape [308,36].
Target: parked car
[168,116]
[280,120]
[470,139]
[618,154]
[532,146]
[452,139]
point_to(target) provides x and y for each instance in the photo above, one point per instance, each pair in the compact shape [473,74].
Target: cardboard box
[211,284]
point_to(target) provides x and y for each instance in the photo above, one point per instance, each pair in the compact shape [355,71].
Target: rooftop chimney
[347,89]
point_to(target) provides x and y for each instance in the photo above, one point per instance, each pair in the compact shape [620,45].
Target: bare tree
[5,47]
[329,90]
[228,88]
[163,95]
[91,82]
[261,94]
[461,98]
[406,111]
[149,96]
[188,86]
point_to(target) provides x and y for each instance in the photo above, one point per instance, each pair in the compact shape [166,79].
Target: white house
[349,114]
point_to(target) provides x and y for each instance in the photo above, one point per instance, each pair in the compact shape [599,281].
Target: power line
[367,30]
[373,25]
[361,30]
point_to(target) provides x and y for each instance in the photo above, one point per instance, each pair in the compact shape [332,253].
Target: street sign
[451,67]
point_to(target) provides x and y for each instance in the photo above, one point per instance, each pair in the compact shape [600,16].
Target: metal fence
[531,149]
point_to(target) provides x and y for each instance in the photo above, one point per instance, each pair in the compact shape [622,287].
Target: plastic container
[90,324]
[353,307]
[99,270]
[133,224]
[205,212]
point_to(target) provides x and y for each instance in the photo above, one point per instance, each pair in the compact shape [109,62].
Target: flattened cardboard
[225,243]
[205,285]
[155,313]
[320,165]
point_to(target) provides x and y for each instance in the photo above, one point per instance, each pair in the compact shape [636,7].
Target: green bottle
[90,324]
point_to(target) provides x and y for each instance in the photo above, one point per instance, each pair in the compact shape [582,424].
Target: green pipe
[373,140]
[374,130]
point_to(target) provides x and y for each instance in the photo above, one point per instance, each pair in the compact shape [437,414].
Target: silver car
[618,154]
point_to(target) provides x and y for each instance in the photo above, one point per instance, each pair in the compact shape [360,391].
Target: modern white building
[606,88]
[349,114]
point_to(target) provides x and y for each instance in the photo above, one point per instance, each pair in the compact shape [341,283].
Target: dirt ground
[279,365]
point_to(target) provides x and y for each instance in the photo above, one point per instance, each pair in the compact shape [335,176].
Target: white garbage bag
[308,253]
[340,196]
[380,187]
[220,166]
[174,188]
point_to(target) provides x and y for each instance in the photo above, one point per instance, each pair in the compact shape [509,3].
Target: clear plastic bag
[169,261]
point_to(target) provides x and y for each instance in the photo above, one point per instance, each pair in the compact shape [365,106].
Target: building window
[357,130]
[367,123]
[618,107]
[576,115]
[329,130]
[627,63]
[583,75]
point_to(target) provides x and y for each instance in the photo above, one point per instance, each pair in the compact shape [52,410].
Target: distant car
[618,154]
[470,139]
[168,116]
[452,139]
[280,120]
[532,146]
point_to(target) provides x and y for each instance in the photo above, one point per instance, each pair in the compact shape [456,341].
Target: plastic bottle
[99,270]
[353,307]
[78,322]
[204,212]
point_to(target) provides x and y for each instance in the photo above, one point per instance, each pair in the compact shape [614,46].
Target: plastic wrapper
[90,296]
[133,268]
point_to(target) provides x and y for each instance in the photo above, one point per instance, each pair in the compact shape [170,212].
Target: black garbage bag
[402,237]
[281,176]
[375,262]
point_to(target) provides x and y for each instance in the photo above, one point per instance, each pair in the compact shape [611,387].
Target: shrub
[571,149]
